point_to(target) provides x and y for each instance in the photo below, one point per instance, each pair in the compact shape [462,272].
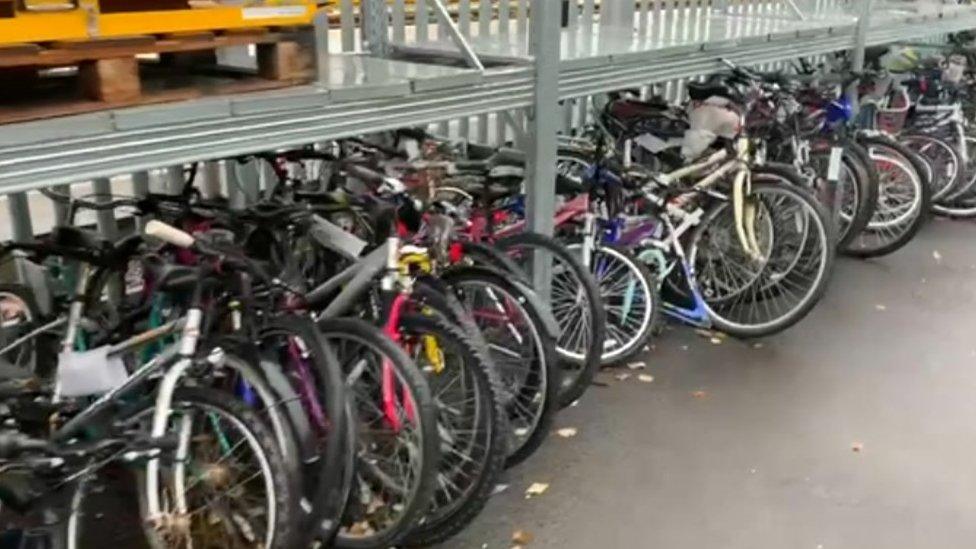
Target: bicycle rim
[784,283]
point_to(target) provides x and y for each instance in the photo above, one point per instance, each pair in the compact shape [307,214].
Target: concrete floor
[741,446]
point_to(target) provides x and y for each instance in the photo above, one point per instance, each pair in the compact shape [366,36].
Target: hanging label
[90,373]
[833,169]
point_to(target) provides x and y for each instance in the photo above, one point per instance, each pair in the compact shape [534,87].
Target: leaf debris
[536,489]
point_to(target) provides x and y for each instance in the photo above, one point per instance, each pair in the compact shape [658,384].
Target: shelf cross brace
[445,20]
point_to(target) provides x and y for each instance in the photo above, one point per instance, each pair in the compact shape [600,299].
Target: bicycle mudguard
[491,257]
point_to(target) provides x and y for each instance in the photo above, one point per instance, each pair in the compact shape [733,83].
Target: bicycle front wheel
[225,485]
[575,300]
[754,297]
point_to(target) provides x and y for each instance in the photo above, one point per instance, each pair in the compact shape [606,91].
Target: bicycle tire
[826,261]
[287,528]
[324,495]
[586,366]
[442,523]
[943,185]
[646,283]
[367,336]
[921,187]
[524,445]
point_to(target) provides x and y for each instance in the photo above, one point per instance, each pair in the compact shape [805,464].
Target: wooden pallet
[139,70]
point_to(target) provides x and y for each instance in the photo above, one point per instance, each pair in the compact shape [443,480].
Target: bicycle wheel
[522,348]
[630,298]
[857,192]
[226,485]
[396,445]
[19,317]
[315,407]
[468,395]
[748,297]
[575,300]
[903,201]
[942,159]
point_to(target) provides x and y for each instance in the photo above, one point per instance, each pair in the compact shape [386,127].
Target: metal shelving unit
[528,68]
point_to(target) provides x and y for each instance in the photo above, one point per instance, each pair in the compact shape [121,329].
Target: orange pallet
[117,72]
[37,21]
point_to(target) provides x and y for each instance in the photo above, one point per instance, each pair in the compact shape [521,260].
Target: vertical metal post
[21,228]
[373,18]
[60,208]
[616,15]
[210,179]
[173,180]
[861,36]
[140,187]
[543,125]
[321,30]
[108,229]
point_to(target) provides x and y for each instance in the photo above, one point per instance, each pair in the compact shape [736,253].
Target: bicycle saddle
[89,246]
[174,278]
[625,109]
[700,91]
[493,158]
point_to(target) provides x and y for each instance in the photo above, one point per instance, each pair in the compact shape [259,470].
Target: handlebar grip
[366,174]
[169,234]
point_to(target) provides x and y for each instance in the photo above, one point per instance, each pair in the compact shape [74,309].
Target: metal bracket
[795,9]
[444,19]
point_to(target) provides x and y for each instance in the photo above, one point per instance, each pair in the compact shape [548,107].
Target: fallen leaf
[637,365]
[857,446]
[716,341]
[522,537]
[645,378]
[753,471]
[758,345]
[622,376]
[704,333]
[536,489]
[881,307]
[499,488]
[574,404]
[567,432]
[684,347]
[699,394]
[937,256]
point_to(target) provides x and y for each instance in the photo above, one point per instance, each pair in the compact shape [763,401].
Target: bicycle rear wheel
[471,425]
[942,159]
[522,348]
[628,292]
[396,444]
[903,202]
[575,300]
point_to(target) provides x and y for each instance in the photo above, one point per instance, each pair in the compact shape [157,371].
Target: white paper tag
[90,373]
[336,238]
[272,12]
[833,169]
